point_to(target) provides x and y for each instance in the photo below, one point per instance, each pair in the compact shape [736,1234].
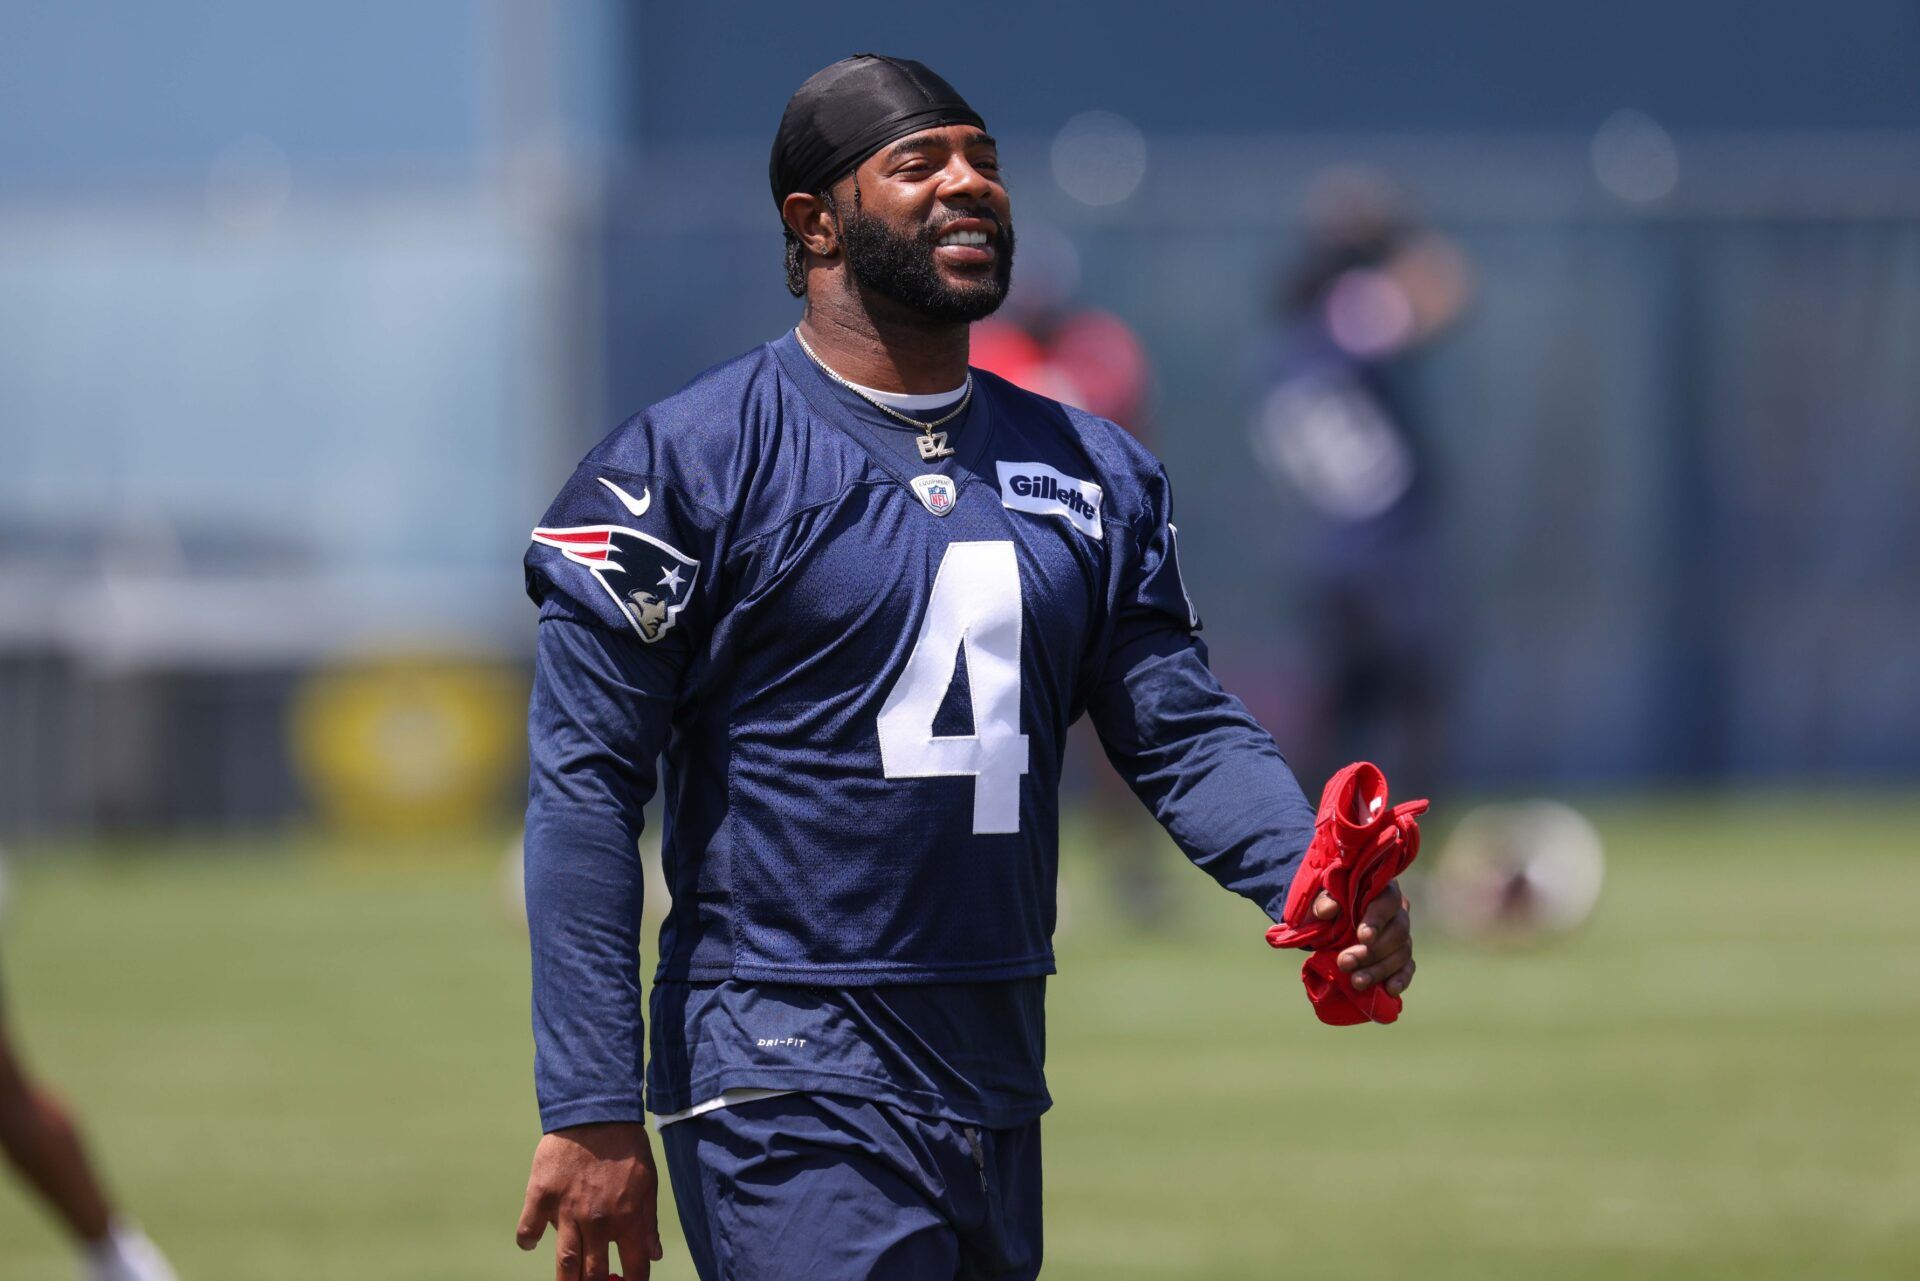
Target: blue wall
[1679,438]
[714,71]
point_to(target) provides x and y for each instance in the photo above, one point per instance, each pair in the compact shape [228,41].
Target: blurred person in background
[1339,430]
[43,1144]
[1047,341]
[874,589]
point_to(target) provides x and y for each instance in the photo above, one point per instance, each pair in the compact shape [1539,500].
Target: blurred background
[1540,391]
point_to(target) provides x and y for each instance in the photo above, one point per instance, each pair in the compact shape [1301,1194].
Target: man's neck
[887,353]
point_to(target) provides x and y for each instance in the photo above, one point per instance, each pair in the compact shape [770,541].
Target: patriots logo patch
[650,581]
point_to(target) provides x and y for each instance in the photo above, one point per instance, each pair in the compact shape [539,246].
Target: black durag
[848,111]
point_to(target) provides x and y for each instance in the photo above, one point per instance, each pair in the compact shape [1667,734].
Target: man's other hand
[597,1186]
[1384,953]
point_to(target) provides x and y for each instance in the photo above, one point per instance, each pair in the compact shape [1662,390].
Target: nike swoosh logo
[638,506]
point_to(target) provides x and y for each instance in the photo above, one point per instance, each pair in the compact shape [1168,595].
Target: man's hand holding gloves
[1359,846]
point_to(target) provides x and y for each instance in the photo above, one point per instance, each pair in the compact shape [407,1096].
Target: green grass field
[301,1065]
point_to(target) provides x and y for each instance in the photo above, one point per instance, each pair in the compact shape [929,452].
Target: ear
[812,220]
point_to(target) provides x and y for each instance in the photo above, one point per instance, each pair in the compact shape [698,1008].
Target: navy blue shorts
[813,1187]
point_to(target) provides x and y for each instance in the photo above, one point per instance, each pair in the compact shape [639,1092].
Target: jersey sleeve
[625,552]
[596,723]
[619,574]
[1189,750]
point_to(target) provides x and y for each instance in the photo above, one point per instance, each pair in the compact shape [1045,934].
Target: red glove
[1359,845]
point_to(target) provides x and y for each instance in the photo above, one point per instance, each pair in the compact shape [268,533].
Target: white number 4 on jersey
[975,603]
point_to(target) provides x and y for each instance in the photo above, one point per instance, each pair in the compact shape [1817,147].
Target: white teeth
[964,238]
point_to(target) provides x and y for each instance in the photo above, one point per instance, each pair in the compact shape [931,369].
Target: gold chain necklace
[933,444]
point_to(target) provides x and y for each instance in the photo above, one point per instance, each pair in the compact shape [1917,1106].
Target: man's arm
[1197,758]
[598,719]
[596,724]
[1213,778]
[1200,763]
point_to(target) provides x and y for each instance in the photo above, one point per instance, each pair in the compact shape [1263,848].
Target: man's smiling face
[926,222]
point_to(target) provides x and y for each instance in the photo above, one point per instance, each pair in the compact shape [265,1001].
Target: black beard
[902,268]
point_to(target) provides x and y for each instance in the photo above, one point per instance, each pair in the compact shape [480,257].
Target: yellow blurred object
[405,744]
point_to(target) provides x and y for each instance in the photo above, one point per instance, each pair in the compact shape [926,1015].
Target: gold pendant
[933,445]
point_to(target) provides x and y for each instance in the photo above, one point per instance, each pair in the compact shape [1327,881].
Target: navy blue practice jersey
[861,674]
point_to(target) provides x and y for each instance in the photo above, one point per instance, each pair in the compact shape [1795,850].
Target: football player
[855,593]
[42,1143]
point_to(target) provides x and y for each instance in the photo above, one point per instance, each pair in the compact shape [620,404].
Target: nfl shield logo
[936,493]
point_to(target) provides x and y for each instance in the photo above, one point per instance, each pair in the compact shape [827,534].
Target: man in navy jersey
[854,593]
